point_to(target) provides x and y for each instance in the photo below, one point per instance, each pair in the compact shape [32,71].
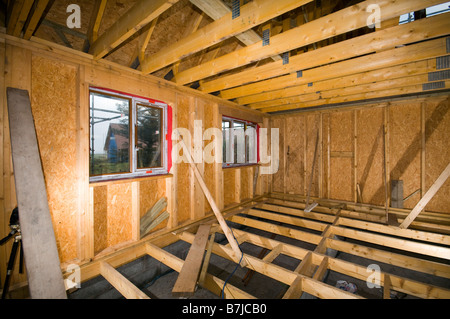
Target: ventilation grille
[433,86]
[236,9]
[299,74]
[448,44]
[443,62]
[266,37]
[439,75]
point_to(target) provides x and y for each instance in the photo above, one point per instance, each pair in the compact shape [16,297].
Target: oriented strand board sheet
[119,213]
[278,178]
[341,169]
[370,154]
[295,150]
[54,103]
[150,192]
[405,148]
[100,218]
[437,154]
[311,130]
[325,160]
[229,186]
[246,183]
[183,178]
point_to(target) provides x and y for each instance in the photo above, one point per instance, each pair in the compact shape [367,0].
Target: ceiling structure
[274,56]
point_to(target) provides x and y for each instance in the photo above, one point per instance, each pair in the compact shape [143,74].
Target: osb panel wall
[370,152]
[341,168]
[437,151]
[352,151]
[54,93]
[405,138]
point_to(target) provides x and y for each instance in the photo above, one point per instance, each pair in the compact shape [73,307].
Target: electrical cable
[237,265]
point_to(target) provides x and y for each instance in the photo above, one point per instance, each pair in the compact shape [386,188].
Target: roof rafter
[406,54]
[252,14]
[364,44]
[346,20]
[216,9]
[135,19]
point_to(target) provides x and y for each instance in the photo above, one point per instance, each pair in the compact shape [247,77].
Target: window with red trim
[128,136]
[240,142]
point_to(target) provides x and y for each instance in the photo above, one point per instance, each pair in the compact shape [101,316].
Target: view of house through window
[126,136]
[239,142]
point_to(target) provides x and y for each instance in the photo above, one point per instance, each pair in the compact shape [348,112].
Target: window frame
[134,172]
[231,146]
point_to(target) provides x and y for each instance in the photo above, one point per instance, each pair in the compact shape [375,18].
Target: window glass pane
[148,135]
[239,142]
[110,135]
[250,144]
[226,125]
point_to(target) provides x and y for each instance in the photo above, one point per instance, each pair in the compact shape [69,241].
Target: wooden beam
[187,279]
[122,284]
[349,19]
[397,56]
[216,9]
[22,18]
[211,283]
[220,30]
[345,83]
[426,198]
[135,19]
[13,18]
[36,16]
[237,253]
[410,89]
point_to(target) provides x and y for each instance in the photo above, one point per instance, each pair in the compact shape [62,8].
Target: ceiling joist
[346,20]
[135,19]
[251,15]
[369,43]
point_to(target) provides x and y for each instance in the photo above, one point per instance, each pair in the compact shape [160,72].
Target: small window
[239,142]
[126,136]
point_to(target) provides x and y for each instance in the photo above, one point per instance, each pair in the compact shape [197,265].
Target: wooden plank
[212,283]
[235,246]
[14,16]
[135,19]
[39,243]
[426,198]
[122,284]
[22,18]
[370,43]
[216,9]
[397,56]
[187,279]
[220,30]
[205,265]
[330,26]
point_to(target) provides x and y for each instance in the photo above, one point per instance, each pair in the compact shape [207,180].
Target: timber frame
[345,227]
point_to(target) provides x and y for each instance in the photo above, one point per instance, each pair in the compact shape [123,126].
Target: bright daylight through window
[126,136]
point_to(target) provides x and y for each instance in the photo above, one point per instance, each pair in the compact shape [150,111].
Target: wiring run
[235,268]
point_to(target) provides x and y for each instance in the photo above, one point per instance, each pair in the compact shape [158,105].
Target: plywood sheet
[370,154]
[295,161]
[311,130]
[405,148]
[229,186]
[183,177]
[100,218]
[278,178]
[341,169]
[54,93]
[437,151]
[119,213]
